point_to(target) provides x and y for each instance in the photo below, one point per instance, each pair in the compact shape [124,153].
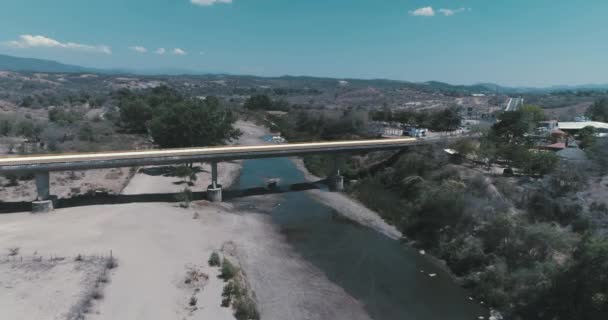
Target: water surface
[390,279]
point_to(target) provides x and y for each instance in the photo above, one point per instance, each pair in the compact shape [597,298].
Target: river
[390,279]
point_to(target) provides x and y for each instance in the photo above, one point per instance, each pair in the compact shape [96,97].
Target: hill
[11,63]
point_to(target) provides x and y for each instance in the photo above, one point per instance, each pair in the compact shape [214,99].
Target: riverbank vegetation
[512,250]
[523,243]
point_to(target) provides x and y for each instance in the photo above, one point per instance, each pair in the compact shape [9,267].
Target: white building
[576,126]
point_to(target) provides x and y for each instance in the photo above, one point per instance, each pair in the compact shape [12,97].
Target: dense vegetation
[441,120]
[510,140]
[518,248]
[176,121]
[520,244]
[599,110]
[527,250]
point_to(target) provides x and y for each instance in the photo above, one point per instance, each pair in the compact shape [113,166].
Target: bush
[214,260]
[97,294]
[193,301]
[185,197]
[13,251]
[228,270]
[245,309]
[111,263]
[228,290]
[581,225]
[226,302]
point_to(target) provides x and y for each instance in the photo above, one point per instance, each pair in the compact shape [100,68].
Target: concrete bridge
[42,165]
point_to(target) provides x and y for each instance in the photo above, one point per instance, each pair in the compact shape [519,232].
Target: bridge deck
[84,161]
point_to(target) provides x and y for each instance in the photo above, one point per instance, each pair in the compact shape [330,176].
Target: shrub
[228,290]
[111,263]
[214,259]
[13,180]
[226,302]
[97,294]
[13,251]
[103,278]
[185,197]
[193,301]
[245,309]
[581,225]
[228,270]
[232,290]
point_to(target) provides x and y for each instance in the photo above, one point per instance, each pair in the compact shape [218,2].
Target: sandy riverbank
[348,207]
[157,244]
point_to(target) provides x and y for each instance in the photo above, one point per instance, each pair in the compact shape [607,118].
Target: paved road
[513,104]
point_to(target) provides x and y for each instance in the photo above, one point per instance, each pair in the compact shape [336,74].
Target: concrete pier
[214,194]
[338,182]
[214,190]
[43,186]
[42,206]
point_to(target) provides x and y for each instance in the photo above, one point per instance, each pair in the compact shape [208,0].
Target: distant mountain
[10,63]
[542,90]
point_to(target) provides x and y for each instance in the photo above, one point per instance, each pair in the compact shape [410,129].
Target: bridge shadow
[102,198]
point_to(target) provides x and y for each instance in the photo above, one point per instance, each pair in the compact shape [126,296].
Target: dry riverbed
[157,247]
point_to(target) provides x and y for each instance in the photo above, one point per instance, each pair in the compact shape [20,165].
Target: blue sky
[511,42]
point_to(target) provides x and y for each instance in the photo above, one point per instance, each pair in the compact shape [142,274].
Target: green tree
[533,113]
[27,102]
[193,123]
[259,102]
[29,129]
[587,135]
[135,113]
[445,120]
[513,127]
[599,110]
[599,154]
[86,132]
[464,147]
[539,162]
[579,292]
[6,127]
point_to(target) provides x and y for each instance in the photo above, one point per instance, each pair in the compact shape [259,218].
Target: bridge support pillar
[336,182]
[43,201]
[43,186]
[214,190]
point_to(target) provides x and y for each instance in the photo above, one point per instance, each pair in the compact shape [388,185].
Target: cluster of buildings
[560,137]
[395,129]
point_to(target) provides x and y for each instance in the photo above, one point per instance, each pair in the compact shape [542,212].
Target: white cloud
[139,49]
[179,52]
[208,2]
[161,51]
[423,12]
[451,12]
[37,41]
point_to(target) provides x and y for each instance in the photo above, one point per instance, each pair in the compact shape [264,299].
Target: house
[572,153]
[548,125]
[575,127]
[555,146]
